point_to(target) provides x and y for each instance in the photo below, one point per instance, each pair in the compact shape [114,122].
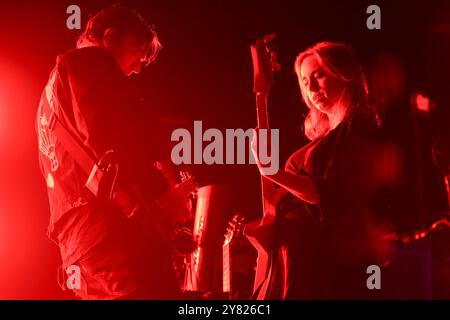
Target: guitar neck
[226,268]
[261,110]
[263,123]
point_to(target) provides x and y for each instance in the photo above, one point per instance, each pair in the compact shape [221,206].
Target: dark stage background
[204,73]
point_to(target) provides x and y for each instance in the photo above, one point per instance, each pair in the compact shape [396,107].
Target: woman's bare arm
[302,187]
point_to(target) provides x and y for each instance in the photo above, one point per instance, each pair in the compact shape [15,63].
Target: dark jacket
[96,102]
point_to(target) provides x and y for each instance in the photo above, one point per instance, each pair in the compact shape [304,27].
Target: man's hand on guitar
[176,202]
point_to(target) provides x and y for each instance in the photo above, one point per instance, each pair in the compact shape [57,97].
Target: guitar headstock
[235,228]
[173,174]
[265,63]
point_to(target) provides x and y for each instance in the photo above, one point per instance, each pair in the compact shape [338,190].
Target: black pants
[118,258]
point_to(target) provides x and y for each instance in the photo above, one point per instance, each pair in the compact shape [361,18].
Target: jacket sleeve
[107,112]
[100,102]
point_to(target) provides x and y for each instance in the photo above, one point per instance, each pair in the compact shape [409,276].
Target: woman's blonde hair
[339,61]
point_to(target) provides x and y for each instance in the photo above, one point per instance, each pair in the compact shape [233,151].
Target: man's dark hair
[125,21]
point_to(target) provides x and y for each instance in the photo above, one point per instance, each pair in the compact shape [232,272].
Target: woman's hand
[256,153]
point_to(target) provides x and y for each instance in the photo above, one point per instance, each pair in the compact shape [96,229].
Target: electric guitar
[166,214]
[234,230]
[260,232]
[103,182]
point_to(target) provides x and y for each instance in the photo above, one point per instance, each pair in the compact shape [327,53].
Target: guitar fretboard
[226,268]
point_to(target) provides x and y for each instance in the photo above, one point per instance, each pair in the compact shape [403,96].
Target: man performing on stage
[89,93]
